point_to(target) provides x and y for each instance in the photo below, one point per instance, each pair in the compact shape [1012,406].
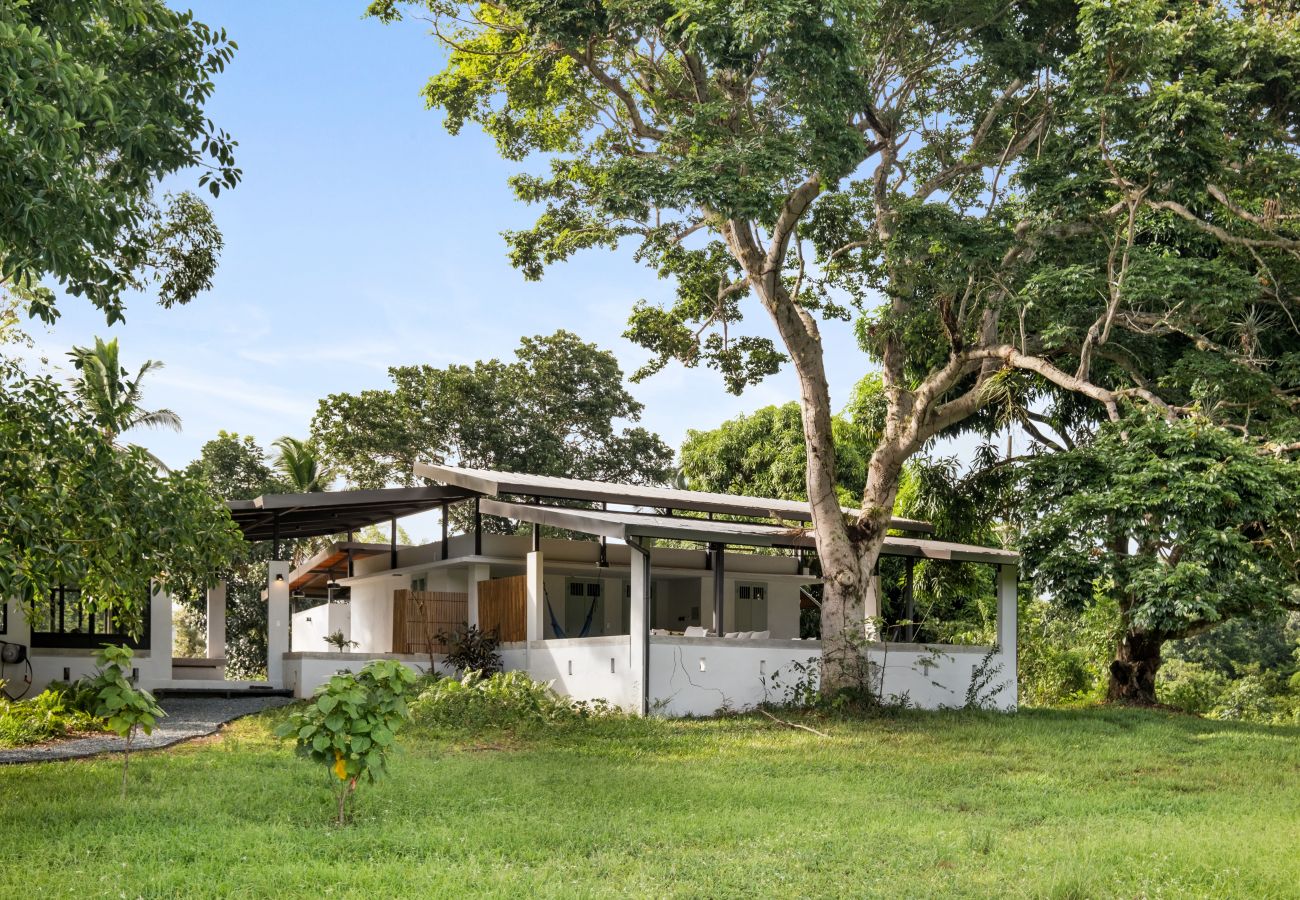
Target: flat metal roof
[625,525]
[492,483]
[334,512]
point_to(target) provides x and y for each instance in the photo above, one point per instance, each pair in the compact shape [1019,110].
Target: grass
[1050,804]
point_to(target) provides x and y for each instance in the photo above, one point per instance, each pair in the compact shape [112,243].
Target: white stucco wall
[304,672]
[596,668]
[311,626]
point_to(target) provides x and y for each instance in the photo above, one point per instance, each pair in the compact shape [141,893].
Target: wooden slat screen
[419,615]
[503,605]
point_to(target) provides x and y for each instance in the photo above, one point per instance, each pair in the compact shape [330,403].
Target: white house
[677,602]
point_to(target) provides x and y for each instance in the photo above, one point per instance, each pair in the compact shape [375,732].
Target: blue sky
[363,236]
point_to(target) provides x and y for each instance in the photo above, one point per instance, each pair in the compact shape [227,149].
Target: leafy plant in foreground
[350,724]
[124,706]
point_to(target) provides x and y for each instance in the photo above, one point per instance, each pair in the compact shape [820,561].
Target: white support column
[161,639]
[871,609]
[277,620]
[216,596]
[639,630]
[534,575]
[473,576]
[536,572]
[1008,590]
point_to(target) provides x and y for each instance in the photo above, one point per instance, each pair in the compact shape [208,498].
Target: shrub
[339,641]
[473,650]
[1189,686]
[350,724]
[45,717]
[502,700]
[124,707]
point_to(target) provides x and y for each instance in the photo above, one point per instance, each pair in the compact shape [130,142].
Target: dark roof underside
[312,515]
[624,526]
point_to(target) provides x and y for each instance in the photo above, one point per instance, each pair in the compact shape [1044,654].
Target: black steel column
[719,586]
[478,529]
[444,531]
[275,536]
[392,546]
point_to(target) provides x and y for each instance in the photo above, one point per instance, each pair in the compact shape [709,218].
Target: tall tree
[112,398]
[551,411]
[76,509]
[827,157]
[300,466]
[100,99]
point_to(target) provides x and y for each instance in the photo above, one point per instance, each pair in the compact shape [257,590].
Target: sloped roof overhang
[335,512]
[625,525]
[503,484]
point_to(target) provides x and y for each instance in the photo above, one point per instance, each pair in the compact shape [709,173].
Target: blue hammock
[556,628]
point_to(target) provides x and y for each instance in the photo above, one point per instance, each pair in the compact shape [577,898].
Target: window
[420,582]
[751,608]
[63,621]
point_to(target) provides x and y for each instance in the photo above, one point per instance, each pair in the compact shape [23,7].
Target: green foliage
[123,707]
[49,715]
[339,641]
[472,650]
[1063,653]
[78,510]
[103,100]
[505,700]
[763,455]
[301,467]
[551,411]
[350,724]
[1214,521]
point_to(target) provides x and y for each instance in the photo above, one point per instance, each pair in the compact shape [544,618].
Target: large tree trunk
[1133,671]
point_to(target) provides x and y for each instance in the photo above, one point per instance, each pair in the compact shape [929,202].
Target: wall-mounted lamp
[279,577]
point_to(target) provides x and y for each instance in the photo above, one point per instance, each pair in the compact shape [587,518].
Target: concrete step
[204,688]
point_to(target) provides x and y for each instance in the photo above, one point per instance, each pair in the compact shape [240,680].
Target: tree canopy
[554,410]
[100,100]
[1068,198]
[80,510]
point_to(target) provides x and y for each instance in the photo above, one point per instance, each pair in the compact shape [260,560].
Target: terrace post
[160,632]
[277,619]
[639,628]
[534,600]
[216,597]
[1008,589]
[473,576]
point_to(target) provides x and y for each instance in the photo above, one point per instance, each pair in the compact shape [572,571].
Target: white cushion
[744,635]
[760,635]
[732,634]
[696,631]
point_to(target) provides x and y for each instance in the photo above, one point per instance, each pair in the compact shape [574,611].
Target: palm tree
[111,397]
[304,472]
[301,466]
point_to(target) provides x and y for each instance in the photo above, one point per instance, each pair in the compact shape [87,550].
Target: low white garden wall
[701,676]
[595,668]
[304,672]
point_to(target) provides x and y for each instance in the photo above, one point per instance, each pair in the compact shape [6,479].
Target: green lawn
[1060,804]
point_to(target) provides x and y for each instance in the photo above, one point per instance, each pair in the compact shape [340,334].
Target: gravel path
[187,718]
